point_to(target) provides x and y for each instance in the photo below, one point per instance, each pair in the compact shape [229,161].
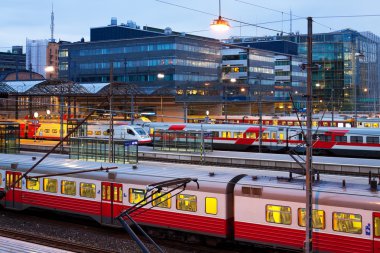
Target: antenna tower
[52,24]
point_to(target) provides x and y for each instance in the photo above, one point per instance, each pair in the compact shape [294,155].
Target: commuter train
[353,142]
[318,120]
[240,205]
[51,131]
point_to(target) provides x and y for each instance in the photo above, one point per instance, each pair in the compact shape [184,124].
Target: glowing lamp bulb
[220,25]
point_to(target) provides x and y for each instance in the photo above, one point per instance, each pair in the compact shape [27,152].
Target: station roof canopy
[62,87]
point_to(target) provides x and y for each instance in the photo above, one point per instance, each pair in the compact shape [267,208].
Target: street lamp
[358,56]
[35,125]
[161,76]
[48,113]
[220,24]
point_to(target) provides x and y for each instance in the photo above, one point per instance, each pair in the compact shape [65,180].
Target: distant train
[318,120]
[250,206]
[52,130]
[353,142]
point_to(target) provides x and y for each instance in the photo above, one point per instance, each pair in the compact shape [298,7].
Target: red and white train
[254,206]
[318,120]
[353,142]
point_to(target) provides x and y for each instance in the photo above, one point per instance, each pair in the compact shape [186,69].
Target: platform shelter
[97,149]
[9,137]
[182,141]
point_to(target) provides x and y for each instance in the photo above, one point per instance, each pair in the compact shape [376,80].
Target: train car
[251,206]
[353,142]
[318,120]
[51,131]
[121,131]
[271,210]
[104,195]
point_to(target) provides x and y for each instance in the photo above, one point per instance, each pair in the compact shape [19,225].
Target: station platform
[9,245]
[283,162]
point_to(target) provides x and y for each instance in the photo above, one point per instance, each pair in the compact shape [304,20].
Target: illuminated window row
[184,202]
[342,222]
[86,190]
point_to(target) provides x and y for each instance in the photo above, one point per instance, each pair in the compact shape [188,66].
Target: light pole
[35,125]
[358,56]
[161,76]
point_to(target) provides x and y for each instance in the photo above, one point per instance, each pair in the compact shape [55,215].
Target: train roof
[237,127]
[144,173]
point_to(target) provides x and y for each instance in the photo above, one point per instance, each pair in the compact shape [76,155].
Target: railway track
[52,242]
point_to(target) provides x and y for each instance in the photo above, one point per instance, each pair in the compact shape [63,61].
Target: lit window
[50,185]
[278,214]
[187,202]
[68,187]
[318,218]
[347,223]
[136,195]
[33,184]
[98,133]
[377,226]
[90,132]
[161,199]
[211,205]
[117,194]
[87,190]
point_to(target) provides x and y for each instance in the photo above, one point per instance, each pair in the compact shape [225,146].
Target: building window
[68,187]
[50,185]
[33,184]
[347,223]
[318,218]
[161,200]
[87,190]
[211,205]
[278,214]
[136,195]
[187,202]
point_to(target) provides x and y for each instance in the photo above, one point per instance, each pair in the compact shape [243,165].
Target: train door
[376,232]
[13,196]
[112,202]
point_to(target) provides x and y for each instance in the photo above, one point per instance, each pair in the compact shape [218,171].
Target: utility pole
[309,144]
[260,117]
[110,137]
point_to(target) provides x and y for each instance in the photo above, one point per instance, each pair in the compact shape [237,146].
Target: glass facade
[346,73]
[9,138]
[181,58]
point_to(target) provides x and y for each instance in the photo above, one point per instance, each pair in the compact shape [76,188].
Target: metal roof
[94,87]
[21,86]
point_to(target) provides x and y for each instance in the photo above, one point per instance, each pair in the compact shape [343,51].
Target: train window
[325,124]
[274,135]
[376,125]
[87,190]
[11,178]
[1,179]
[290,123]
[117,194]
[54,131]
[98,132]
[347,223]
[373,139]
[105,133]
[33,184]
[106,192]
[281,137]
[211,205]
[46,131]
[265,136]
[187,202]
[325,138]
[250,135]
[226,134]
[315,123]
[356,139]
[215,134]
[238,135]
[68,187]
[366,124]
[50,185]
[296,123]
[130,132]
[160,199]
[278,214]
[377,226]
[333,124]
[90,132]
[318,218]
[341,138]
[283,123]
[136,195]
